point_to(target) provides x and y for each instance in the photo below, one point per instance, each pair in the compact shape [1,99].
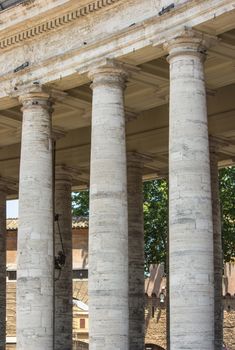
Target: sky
[12,209]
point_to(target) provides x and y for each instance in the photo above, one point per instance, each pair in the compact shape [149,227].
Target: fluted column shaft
[35,267]
[108,230]
[63,276]
[190,207]
[218,260]
[136,252]
[2,268]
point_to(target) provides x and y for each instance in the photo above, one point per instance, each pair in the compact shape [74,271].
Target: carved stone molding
[54,23]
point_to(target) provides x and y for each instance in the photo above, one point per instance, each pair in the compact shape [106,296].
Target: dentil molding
[54,23]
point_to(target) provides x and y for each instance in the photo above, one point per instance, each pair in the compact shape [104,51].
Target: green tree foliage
[227,197]
[156,215]
[155,221]
[80,203]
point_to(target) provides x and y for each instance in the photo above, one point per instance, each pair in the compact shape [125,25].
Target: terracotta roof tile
[78,222]
[12,224]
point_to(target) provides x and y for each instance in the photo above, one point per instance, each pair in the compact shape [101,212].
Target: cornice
[55,23]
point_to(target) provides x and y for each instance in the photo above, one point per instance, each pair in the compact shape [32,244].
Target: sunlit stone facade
[163,81]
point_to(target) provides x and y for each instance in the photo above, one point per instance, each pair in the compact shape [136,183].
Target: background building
[155,284]
[80,276]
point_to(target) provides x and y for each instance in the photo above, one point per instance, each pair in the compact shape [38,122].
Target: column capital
[36,95]
[110,73]
[189,42]
[33,96]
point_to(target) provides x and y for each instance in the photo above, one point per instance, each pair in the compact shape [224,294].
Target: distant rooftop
[77,222]
[4,4]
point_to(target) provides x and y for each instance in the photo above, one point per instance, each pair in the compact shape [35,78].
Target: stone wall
[156,324]
[80,248]
[80,245]
[155,317]
[78,345]
[11,313]
[11,248]
[155,320]
[11,309]
[10,347]
[229,322]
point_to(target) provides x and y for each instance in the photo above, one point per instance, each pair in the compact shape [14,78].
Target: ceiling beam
[223,50]
[8,121]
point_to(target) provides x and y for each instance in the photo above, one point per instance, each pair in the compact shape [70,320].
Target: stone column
[190,207]
[35,268]
[2,266]
[63,276]
[108,231]
[218,260]
[136,251]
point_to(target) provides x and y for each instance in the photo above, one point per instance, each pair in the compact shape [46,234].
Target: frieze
[54,23]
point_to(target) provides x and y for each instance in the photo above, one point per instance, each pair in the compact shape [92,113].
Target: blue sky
[12,209]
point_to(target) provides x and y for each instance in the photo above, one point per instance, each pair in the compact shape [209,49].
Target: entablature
[132,32]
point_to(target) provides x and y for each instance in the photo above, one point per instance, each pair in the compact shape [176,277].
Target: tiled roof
[12,224]
[78,222]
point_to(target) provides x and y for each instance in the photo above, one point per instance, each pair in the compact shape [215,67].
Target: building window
[82,323]
[11,275]
[80,274]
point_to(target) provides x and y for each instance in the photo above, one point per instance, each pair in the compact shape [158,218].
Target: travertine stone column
[218,260]
[190,207]
[136,251]
[35,254]
[63,243]
[2,266]
[108,231]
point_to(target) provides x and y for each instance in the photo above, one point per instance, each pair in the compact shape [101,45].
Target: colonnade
[116,258]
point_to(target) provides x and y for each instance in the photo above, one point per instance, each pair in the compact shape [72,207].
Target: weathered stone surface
[136,251]
[35,265]
[217,240]
[63,277]
[108,233]
[2,267]
[132,31]
[62,49]
[190,208]
[229,323]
